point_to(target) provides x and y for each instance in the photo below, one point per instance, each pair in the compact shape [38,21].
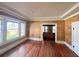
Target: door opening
[49,32]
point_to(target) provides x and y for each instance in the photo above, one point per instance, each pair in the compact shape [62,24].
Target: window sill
[8,46]
[4,44]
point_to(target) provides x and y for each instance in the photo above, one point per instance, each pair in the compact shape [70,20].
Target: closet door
[75,37]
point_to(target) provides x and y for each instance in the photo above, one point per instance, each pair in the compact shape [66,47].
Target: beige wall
[35,29]
[27,28]
[63,32]
[68,32]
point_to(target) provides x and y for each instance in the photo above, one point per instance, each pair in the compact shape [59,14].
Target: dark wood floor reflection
[40,49]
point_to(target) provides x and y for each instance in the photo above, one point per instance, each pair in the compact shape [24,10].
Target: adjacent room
[39,29]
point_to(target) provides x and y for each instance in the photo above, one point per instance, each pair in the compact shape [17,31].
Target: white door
[75,37]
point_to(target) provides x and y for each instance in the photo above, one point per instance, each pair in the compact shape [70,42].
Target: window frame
[4,21]
[1,31]
[18,30]
[24,28]
[45,28]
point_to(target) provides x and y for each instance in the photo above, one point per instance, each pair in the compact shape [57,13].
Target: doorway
[49,31]
[75,37]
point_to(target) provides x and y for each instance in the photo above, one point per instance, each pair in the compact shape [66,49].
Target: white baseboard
[60,42]
[69,46]
[36,39]
[7,48]
[63,42]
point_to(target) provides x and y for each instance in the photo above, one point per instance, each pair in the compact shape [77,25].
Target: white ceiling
[41,9]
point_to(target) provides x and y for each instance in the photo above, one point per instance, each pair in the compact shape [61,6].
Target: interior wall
[27,28]
[68,32]
[35,29]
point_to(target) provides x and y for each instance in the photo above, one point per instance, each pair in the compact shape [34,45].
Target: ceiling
[40,9]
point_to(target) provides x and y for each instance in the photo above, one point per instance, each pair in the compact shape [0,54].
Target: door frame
[72,35]
[49,24]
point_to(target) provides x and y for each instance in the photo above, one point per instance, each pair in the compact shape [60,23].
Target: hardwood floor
[40,49]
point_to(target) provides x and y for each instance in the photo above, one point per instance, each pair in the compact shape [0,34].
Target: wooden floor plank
[40,49]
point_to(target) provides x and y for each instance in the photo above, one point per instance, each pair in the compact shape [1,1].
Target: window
[45,28]
[0,32]
[12,30]
[22,29]
[54,29]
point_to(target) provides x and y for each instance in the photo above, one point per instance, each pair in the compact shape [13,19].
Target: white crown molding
[44,18]
[70,10]
[60,17]
[71,16]
[49,19]
[6,9]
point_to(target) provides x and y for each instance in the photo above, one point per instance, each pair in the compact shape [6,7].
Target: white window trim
[4,21]
[25,27]
[6,30]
